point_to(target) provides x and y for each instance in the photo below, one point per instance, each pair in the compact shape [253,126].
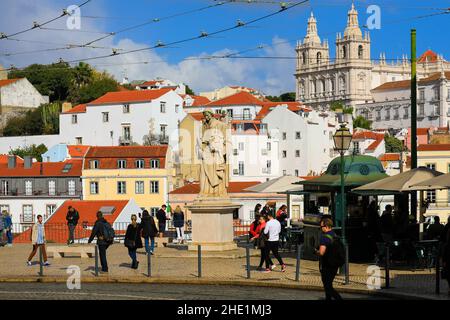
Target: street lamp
[342,139]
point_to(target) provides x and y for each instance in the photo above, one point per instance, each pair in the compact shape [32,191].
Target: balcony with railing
[125,140]
[242,116]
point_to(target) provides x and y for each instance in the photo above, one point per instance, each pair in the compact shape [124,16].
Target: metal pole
[413,116]
[438,276]
[297,267]
[247,253]
[149,265]
[96,261]
[41,263]
[344,217]
[199,261]
[387,266]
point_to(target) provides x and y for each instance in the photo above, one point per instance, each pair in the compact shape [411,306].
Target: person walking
[72,218]
[133,240]
[253,230]
[273,229]
[101,231]
[2,231]
[282,217]
[257,211]
[178,223]
[149,231]
[7,224]
[435,230]
[38,241]
[260,240]
[328,272]
[161,215]
[387,224]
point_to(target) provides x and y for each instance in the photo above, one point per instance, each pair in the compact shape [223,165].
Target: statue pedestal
[212,224]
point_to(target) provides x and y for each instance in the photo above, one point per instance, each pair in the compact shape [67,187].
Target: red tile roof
[49,169]
[198,116]
[421,131]
[238,99]
[150,83]
[7,82]
[406,84]
[130,96]
[292,106]
[77,151]
[428,56]
[433,147]
[4,159]
[375,144]
[234,187]
[308,177]
[200,101]
[389,157]
[81,108]
[365,135]
[108,156]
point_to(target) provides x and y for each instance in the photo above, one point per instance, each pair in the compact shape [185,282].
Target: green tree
[393,144]
[273,98]
[33,150]
[50,118]
[82,74]
[339,106]
[189,91]
[97,87]
[287,97]
[361,122]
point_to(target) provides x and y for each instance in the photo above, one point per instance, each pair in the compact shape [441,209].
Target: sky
[275,36]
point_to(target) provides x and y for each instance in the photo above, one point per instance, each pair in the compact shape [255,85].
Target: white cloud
[269,76]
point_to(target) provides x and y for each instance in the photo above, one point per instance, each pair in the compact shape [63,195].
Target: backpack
[335,253]
[108,233]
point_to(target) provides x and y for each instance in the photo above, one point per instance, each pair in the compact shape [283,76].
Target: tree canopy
[361,122]
[33,150]
[393,145]
[285,97]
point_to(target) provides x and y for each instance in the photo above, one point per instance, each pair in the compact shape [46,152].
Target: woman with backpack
[149,231]
[133,240]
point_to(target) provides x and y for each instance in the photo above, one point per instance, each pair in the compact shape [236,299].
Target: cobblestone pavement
[109,291]
[181,265]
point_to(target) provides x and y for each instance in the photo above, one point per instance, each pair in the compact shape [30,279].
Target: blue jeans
[9,236]
[132,254]
[152,246]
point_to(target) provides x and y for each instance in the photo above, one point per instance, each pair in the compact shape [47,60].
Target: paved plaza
[178,266]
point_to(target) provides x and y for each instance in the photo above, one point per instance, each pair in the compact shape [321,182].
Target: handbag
[130,243]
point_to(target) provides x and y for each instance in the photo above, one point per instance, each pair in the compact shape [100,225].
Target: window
[269,146]
[122,164]
[154,186]
[239,127]
[284,153]
[153,211]
[105,116]
[50,209]
[126,108]
[163,130]
[421,110]
[5,188]
[431,166]
[422,95]
[263,128]
[94,164]
[247,114]
[396,114]
[230,113]
[406,113]
[437,95]
[163,107]
[177,108]
[284,172]
[298,135]
[284,135]
[319,57]
[72,187]
[296,173]
[431,194]
[126,130]
[360,52]
[139,187]
[79,140]
[388,114]
[52,188]
[94,186]
[379,115]
[74,119]
[28,188]
[297,153]
[241,168]
[140,164]
[344,52]
[241,146]
[27,213]
[4,207]
[121,187]
[356,148]
[154,164]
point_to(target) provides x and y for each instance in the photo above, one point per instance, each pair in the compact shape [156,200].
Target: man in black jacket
[162,218]
[98,231]
[72,218]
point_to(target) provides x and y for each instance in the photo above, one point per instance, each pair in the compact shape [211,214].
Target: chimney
[66,106]
[28,162]
[12,161]
[41,172]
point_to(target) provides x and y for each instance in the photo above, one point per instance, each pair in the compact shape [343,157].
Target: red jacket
[256,232]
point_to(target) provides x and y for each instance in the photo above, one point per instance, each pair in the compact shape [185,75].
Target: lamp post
[342,139]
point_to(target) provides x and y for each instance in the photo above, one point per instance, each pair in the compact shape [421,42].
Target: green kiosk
[322,197]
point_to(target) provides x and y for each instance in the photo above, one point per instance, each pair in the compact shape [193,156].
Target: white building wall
[21,94]
[39,206]
[8,143]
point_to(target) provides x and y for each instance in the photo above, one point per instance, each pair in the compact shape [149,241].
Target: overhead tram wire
[60,44]
[38,25]
[202,35]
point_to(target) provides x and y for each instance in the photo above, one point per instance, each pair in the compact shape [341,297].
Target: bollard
[199,261]
[247,253]
[438,276]
[297,267]
[387,266]
[96,261]
[149,265]
[41,263]
[347,265]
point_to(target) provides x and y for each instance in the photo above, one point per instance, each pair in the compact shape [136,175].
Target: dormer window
[154,164]
[122,164]
[94,164]
[140,164]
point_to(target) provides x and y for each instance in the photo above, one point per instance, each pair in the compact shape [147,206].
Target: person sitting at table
[387,224]
[435,230]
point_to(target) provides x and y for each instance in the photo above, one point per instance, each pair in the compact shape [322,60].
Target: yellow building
[129,172]
[437,157]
